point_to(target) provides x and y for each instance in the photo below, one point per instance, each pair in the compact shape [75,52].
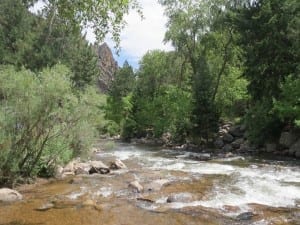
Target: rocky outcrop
[9,195]
[108,66]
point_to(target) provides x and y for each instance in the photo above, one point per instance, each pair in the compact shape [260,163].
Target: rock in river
[9,195]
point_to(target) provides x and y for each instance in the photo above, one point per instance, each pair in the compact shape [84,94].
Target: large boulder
[271,147]
[82,168]
[237,143]
[227,148]
[287,139]
[9,195]
[295,149]
[219,143]
[98,167]
[228,138]
[236,131]
[117,164]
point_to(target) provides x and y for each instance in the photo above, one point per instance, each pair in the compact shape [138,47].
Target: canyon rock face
[108,66]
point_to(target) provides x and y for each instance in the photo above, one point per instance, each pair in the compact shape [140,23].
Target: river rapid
[178,189]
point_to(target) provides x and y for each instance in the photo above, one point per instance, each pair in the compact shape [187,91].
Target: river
[178,189]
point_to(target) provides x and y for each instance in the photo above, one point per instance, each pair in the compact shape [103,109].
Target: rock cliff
[108,67]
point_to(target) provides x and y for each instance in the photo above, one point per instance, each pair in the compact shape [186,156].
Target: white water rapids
[267,183]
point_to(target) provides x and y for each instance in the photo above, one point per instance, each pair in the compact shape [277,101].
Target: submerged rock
[180,197]
[136,186]
[245,216]
[9,195]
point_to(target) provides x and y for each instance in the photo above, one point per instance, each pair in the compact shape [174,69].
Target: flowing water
[178,189]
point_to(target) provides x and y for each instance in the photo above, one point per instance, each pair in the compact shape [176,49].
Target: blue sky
[139,36]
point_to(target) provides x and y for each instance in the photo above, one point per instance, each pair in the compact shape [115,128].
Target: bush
[43,121]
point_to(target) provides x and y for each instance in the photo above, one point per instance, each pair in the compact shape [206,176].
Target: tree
[270,44]
[188,26]
[103,16]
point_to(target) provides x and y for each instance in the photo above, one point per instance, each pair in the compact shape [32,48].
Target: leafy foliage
[43,123]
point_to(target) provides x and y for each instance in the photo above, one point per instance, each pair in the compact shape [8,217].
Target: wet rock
[76,180]
[69,168]
[271,147]
[156,185]
[245,216]
[136,186]
[9,195]
[200,156]
[287,139]
[58,172]
[117,164]
[98,167]
[219,143]
[222,132]
[227,148]
[237,143]
[180,197]
[295,149]
[228,138]
[236,131]
[45,207]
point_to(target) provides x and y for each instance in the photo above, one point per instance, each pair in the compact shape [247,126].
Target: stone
[219,143]
[9,195]
[237,143]
[108,67]
[245,216]
[236,131]
[228,138]
[117,164]
[271,147]
[58,172]
[82,168]
[45,207]
[98,167]
[136,186]
[180,197]
[287,139]
[222,132]
[227,148]
[295,149]
[156,185]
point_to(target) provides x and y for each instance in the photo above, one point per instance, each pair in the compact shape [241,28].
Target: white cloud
[140,36]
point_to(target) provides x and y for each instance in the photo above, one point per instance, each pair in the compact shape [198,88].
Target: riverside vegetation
[232,60]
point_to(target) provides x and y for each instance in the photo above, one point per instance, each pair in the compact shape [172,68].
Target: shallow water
[211,192]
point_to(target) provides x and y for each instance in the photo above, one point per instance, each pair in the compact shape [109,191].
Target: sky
[139,36]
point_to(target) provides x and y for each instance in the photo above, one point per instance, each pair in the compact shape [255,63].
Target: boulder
[136,186]
[271,147]
[222,131]
[236,131]
[9,195]
[237,143]
[287,139]
[81,168]
[295,149]
[117,164]
[219,143]
[228,138]
[98,167]
[180,197]
[227,148]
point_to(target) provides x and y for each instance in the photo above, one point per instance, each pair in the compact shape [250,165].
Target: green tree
[270,44]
